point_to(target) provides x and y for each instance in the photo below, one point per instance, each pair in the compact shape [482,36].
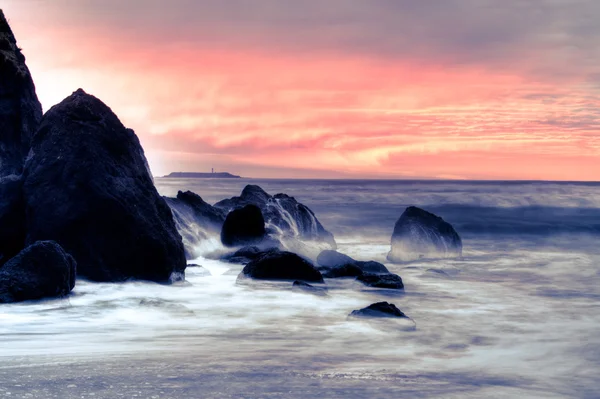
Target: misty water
[517,316]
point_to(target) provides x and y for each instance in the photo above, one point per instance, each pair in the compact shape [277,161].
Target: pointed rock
[88,187]
[20,110]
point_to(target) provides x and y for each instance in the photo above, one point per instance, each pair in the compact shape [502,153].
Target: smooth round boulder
[243,226]
[282,265]
[41,270]
[88,187]
[421,234]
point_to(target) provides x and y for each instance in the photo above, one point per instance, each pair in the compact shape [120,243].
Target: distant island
[197,175]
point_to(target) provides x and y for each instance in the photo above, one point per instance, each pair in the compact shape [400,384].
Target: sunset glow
[375,93]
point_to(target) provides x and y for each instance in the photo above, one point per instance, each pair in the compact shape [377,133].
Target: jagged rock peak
[9,50]
[20,109]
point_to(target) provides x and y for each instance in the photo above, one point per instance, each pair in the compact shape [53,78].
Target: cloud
[462,88]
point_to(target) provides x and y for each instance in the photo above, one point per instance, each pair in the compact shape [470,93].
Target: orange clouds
[253,111]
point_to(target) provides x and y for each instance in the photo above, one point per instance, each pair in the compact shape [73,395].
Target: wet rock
[246,254]
[41,270]
[20,110]
[418,234]
[285,217]
[301,286]
[379,309]
[12,217]
[347,270]
[334,264]
[331,258]
[196,220]
[282,265]
[87,186]
[390,281]
[243,226]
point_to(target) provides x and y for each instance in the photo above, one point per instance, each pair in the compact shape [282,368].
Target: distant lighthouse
[212,170]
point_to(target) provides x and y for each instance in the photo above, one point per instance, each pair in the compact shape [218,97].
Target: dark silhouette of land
[214,175]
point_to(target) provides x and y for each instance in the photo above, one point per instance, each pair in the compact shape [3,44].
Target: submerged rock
[301,286]
[288,220]
[41,270]
[334,264]
[196,220]
[20,110]
[281,265]
[379,309]
[87,186]
[419,234]
[389,281]
[243,226]
[12,217]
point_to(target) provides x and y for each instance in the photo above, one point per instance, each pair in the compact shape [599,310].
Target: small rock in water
[282,265]
[309,289]
[379,309]
[390,281]
[334,264]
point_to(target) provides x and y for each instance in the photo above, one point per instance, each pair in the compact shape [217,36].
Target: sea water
[516,316]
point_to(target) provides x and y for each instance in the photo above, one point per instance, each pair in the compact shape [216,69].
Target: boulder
[41,270]
[196,220]
[12,217]
[281,265]
[284,216]
[334,264]
[418,234]
[88,187]
[243,226]
[390,281]
[379,309]
[20,110]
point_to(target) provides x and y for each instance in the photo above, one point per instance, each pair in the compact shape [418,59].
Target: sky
[441,89]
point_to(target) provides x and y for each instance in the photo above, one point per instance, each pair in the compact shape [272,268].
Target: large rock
[334,264]
[243,226]
[88,187]
[281,265]
[41,270]
[20,110]
[196,220]
[420,234]
[288,219]
[12,217]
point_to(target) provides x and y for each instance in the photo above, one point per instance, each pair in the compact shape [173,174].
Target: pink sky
[342,89]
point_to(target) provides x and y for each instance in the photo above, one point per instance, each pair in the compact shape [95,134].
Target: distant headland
[198,175]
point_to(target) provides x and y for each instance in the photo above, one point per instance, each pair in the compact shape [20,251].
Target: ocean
[516,316]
